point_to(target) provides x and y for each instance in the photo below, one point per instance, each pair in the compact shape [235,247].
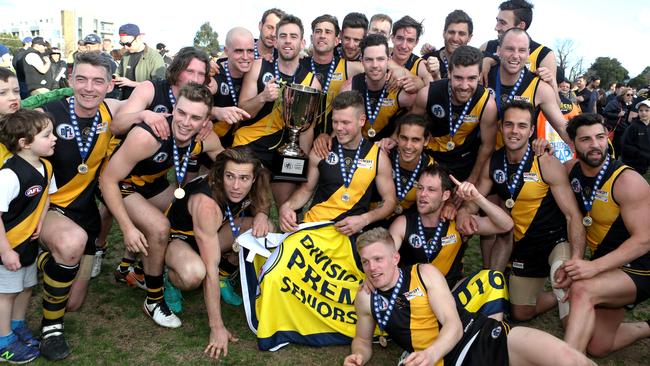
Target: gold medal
[398,210]
[587,221]
[179,193]
[382,341]
[372,133]
[236,247]
[82,168]
[345,197]
[510,203]
[451,146]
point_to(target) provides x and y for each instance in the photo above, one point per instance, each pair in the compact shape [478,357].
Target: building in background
[63,29]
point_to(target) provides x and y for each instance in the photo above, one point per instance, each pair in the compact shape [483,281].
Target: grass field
[111,329]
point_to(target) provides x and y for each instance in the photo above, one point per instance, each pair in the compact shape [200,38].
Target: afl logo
[267,77]
[499,176]
[65,131]
[332,158]
[437,111]
[160,157]
[33,191]
[224,89]
[415,241]
[160,109]
[575,185]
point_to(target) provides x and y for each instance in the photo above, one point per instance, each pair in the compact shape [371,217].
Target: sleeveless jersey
[608,230]
[467,139]
[327,203]
[222,98]
[413,63]
[405,176]
[447,253]
[536,214]
[4,154]
[76,191]
[537,53]
[158,164]
[339,76]
[267,126]
[24,212]
[444,72]
[161,102]
[389,112]
[526,92]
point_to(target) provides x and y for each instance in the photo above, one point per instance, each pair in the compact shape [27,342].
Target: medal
[512,187]
[84,148]
[372,114]
[398,210]
[382,341]
[236,247]
[179,193]
[347,178]
[450,145]
[589,202]
[82,168]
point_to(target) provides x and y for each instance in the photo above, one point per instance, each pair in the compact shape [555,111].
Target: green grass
[111,329]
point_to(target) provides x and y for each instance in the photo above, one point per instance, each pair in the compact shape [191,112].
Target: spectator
[107,45]
[58,77]
[616,116]
[36,65]
[162,50]
[636,140]
[17,63]
[5,57]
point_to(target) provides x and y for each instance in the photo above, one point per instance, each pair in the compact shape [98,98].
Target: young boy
[9,101]
[25,181]
[636,140]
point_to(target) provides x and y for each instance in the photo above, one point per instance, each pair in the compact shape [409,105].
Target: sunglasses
[127,44]
[629,95]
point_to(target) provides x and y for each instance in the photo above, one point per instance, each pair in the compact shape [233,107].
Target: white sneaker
[97,263]
[160,313]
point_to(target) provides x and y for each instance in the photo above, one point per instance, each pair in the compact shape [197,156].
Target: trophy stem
[292,148]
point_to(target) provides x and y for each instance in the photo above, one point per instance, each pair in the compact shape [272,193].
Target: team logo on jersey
[160,157]
[65,131]
[437,111]
[332,158]
[416,292]
[496,332]
[499,176]
[415,241]
[33,191]
[224,89]
[267,77]
[160,108]
[575,185]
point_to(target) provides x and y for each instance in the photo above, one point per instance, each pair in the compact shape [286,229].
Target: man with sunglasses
[139,63]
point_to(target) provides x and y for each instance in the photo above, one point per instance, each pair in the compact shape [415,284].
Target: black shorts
[265,147]
[484,342]
[147,191]
[189,239]
[641,278]
[89,219]
[530,258]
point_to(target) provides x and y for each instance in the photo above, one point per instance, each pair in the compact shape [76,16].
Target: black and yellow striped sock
[226,268]
[154,288]
[57,280]
[138,268]
[125,264]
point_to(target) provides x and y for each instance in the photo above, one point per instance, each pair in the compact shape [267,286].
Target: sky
[598,28]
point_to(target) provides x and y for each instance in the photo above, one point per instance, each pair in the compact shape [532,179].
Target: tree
[207,39]
[642,80]
[609,70]
[12,42]
[577,69]
[563,50]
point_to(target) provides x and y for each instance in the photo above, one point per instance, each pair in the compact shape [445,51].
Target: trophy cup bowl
[300,107]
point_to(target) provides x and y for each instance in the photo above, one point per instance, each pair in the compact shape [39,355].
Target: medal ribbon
[347,179]
[180,168]
[330,72]
[372,115]
[231,220]
[398,182]
[520,169]
[512,92]
[84,148]
[172,98]
[276,71]
[429,249]
[382,321]
[231,87]
[590,202]
[453,128]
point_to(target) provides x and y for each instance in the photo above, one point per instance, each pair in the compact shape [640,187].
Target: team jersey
[328,203]
[537,53]
[4,154]
[389,111]
[224,98]
[161,102]
[24,212]
[405,175]
[536,215]
[442,60]
[77,191]
[413,63]
[338,78]
[467,139]
[448,250]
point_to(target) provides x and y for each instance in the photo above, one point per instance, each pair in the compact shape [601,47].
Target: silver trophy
[300,108]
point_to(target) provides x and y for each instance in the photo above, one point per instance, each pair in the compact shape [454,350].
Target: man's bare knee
[522,312]
[189,277]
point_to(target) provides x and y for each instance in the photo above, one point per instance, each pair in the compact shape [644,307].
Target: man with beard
[615,202]
[264,46]
[537,193]
[264,131]
[463,116]
[353,30]
[457,32]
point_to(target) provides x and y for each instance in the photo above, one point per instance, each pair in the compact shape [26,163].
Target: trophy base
[290,168]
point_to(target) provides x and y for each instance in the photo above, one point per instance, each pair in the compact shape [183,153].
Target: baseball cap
[38,40]
[3,50]
[27,40]
[160,46]
[645,103]
[129,30]
[92,38]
